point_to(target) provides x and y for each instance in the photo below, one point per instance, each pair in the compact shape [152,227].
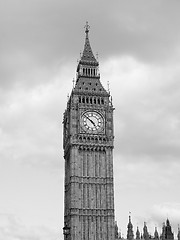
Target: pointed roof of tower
[178,235]
[129,223]
[145,232]
[156,235]
[130,234]
[88,76]
[87,55]
[138,234]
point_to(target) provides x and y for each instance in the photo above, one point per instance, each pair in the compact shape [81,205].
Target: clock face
[92,122]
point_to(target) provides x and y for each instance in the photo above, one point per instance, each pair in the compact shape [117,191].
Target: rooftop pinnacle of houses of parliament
[130,233]
[166,233]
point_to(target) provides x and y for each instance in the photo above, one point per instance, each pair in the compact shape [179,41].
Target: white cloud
[11,228]
[169,210]
[146,106]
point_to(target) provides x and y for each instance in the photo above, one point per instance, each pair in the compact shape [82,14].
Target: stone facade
[88,153]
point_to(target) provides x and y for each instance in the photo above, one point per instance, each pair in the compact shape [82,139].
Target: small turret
[145,232]
[138,234]
[130,234]
[156,235]
[178,235]
[119,235]
[163,231]
[116,230]
[168,231]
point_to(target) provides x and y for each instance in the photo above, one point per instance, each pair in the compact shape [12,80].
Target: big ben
[88,142]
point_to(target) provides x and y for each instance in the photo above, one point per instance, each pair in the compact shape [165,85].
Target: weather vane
[87,27]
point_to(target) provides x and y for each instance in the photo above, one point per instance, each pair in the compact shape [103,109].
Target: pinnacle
[87,55]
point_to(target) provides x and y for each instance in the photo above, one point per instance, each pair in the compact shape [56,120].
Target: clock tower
[88,153]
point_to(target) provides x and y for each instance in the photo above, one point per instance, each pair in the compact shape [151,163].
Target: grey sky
[139,52]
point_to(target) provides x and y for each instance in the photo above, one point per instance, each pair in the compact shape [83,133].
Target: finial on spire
[109,92]
[97,56]
[87,27]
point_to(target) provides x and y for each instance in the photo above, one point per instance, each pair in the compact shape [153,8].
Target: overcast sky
[138,43]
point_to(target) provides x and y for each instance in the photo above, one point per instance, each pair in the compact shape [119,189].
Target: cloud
[32,120]
[11,228]
[169,210]
[147,120]
[39,35]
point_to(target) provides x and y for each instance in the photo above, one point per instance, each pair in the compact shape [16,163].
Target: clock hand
[91,120]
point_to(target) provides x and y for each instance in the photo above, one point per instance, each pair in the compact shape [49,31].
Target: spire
[178,235]
[87,55]
[167,222]
[145,232]
[116,230]
[138,234]
[156,235]
[130,234]
[163,231]
[168,230]
[88,76]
